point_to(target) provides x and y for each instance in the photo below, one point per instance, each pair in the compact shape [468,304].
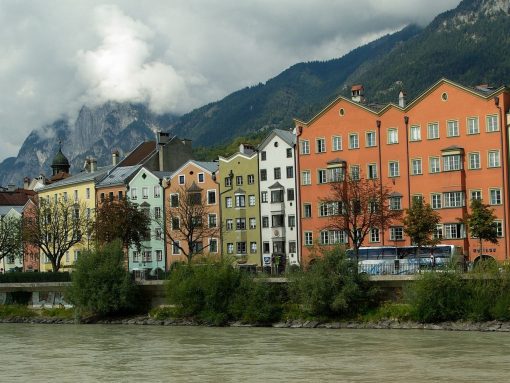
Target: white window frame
[495,196]
[474,160]
[473,125]
[304,147]
[370,139]
[353,141]
[433,131]
[393,171]
[452,128]
[491,123]
[320,145]
[306,177]
[392,136]
[493,159]
[336,143]
[416,166]
[415,133]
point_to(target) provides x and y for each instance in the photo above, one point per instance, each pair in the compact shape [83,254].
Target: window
[229,224]
[329,208]
[370,139]
[416,167]
[320,145]
[263,196]
[176,224]
[110,196]
[416,198]
[240,247]
[181,179]
[308,238]
[239,180]
[228,201]
[394,170]
[494,159]
[453,230]
[495,196]
[253,247]
[277,220]
[433,131]
[435,201]
[230,248]
[290,172]
[194,198]
[212,220]
[307,210]
[491,123]
[157,212]
[304,146]
[136,258]
[453,199]
[157,191]
[240,200]
[355,175]
[251,179]
[392,136]
[321,176]
[335,174]
[396,203]
[263,174]
[476,194]
[396,233]
[253,223]
[65,196]
[228,181]
[415,133]
[145,192]
[277,173]
[452,162]
[353,141]
[240,223]
[158,234]
[211,197]
[251,200]
[474,160]
[434,165]
[292,246]
[213,245]
[331,237]
[277,195]
[291,221]
[265,247]
[336,143]
[87,193]
[438,233]
[290,194]
[289,152]
[201,177]
[120,195]
[174,200]
[75,195]
[305,177]
[499,228]
[147,256]
[372,171]
[263,156]
[452,128]
[374,235]
[265,222]
[133,194]
[473,125]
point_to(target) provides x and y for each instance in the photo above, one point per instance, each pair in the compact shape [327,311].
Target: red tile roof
[17,197]
[140,153]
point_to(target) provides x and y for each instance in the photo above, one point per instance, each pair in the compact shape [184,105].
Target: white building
[278,200]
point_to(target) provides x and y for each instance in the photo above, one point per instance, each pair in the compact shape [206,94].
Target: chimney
[86,165]
[115,157]
[402,98]
[246,149]
[357,93]
[162,138]
[93,165]
[26,183]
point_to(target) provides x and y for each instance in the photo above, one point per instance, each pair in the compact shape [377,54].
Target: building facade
[447,147]
[278,200]
[240,206]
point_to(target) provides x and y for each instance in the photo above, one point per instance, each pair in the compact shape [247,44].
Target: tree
[356,206]
[100,283]
[123,220]
[481,223]
[10,236]
[420,224]
[187,221]
[56,225]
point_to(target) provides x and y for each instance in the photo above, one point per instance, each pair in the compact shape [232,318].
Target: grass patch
[391,311]
[9,311]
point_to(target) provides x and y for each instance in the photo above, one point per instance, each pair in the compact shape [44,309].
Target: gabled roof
[194,188]
[4,210]
[119,175]
[79,178]
[208,166]
[285,135]
[139,154]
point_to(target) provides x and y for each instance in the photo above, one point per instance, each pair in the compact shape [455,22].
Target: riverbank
[492,326]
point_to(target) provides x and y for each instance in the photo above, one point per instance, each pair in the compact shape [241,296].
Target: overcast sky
[175,55]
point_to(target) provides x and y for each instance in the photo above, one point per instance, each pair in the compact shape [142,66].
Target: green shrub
[391,310]
[332,288]
[100,283]
[162,313]
[438,297]
[57,312]
[7,311]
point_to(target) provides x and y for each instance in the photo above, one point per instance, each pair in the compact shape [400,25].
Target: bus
[382,260]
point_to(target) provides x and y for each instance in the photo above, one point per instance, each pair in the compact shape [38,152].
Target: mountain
[95,132]
[466,44]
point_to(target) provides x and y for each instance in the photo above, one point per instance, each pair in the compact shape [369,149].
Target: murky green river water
[98,353]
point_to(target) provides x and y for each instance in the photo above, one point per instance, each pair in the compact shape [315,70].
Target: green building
[240,208]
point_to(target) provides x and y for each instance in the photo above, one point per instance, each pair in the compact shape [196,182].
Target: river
[128,353]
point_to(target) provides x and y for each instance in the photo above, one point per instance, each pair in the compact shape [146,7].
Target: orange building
[199,179]
[448,146]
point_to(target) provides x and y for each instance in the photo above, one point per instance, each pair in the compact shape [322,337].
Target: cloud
[174,55]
